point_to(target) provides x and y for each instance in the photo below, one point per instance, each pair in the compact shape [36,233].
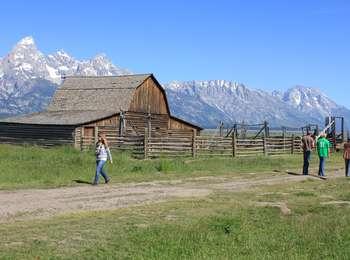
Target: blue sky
[270,44]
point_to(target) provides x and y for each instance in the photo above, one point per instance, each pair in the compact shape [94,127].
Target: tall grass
[29,166]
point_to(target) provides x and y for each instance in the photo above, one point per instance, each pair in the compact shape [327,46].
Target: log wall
[44,135]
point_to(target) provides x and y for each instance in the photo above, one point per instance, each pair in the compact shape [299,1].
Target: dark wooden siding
[136,123]
[46,135]
[110,121]
[180,125]
[149,98]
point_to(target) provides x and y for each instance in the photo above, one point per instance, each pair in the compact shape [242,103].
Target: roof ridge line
[108,76]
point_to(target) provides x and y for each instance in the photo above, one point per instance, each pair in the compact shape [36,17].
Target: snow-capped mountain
[28,79]
[209,102]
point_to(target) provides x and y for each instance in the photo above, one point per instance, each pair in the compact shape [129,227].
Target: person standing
[346,157]
[323,150]
[307,144]
[103,154]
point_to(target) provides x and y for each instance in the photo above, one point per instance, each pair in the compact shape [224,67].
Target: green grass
[29,167]
[222,226]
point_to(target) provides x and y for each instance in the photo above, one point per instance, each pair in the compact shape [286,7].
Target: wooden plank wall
[177,124]
[43,135]
[136,123]
[116,142]
[149,98]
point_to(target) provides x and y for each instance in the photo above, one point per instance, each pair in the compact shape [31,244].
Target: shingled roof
[84,99]
[60,117]
[112,93]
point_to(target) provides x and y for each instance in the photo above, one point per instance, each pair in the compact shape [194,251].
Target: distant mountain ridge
[28,79]
[209,102]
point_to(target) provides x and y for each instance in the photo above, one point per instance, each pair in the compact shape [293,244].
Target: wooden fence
[187,143]
[192,145]
[134,144]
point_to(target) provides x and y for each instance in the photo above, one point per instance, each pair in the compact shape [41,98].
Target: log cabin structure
[121,106]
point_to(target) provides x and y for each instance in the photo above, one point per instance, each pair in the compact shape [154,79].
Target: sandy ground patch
[43,203]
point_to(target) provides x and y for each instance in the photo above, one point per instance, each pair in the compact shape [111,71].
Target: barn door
[89,135]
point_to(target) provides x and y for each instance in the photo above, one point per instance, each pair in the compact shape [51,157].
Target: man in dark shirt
[307,143]
[346,156]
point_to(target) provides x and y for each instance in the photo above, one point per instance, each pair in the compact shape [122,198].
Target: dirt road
[43,203]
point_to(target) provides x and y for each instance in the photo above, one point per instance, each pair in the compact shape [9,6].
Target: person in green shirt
[323,150]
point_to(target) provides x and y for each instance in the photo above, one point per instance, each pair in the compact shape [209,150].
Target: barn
[120,106]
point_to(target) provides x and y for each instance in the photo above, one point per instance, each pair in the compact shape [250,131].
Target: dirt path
[42,203]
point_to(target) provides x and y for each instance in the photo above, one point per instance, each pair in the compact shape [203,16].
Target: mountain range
[29,78]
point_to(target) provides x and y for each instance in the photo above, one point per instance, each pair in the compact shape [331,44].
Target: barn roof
[60,117]
[111,93]
[84,99]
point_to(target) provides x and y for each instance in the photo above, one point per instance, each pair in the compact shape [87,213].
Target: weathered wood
[145,143]
[265,146]
[96,134]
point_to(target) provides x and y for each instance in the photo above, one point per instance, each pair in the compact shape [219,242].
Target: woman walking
[346,157]
[102,155]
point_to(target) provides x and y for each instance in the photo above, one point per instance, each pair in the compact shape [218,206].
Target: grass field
[227,224]
[33,167]
[222,226]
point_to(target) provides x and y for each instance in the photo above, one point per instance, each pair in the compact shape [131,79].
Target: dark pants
[100,170]
[307,156]
[321,167]
[347,167]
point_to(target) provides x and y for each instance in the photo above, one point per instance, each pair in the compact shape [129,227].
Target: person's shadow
[294,173]
[311,175]
[82,181]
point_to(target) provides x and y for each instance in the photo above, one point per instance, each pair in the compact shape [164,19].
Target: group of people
[308,143]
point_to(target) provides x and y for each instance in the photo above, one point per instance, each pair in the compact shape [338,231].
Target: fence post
[284,142]
[234,145]
[221,128]
[265,145]
[149,124]
[145,144]
[194,144]
[292,151]
[82,138]
[96,134]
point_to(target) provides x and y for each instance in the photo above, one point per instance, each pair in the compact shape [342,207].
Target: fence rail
[187,143]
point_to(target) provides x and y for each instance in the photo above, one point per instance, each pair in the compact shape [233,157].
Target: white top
[102,152]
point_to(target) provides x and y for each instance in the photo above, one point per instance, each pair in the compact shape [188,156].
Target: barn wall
[46,135]
[149,96]
[136,123]
[110,121]
[177,124]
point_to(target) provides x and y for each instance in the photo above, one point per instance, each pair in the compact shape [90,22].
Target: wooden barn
[120,106]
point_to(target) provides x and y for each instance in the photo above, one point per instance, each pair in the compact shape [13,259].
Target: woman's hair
[103,138]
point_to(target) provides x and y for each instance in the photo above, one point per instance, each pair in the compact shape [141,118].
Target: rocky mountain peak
[28,79]
[26,41]
[28,74]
